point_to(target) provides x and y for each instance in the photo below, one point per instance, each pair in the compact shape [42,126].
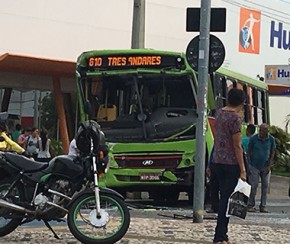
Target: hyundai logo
[147,162]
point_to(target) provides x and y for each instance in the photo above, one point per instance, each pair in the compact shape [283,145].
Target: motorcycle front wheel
[109,227]
[8,221]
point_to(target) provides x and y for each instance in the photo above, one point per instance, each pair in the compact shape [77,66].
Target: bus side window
[220,90]
[264,106]
[261,112]
[225,85]
[107,112]
[250,104]
[255,108]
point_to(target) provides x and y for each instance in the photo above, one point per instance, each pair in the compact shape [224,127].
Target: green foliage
[48,121]
[56,148]
[282,156]
[48,115]
[281,171]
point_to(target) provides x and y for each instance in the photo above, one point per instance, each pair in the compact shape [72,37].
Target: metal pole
[20,105]
[138,40]
[39,112]
[199,170]
[138,28]
[35,120]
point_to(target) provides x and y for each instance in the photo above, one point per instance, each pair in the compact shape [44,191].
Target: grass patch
[280,171]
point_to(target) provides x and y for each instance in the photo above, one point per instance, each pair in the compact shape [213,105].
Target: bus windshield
[142,106]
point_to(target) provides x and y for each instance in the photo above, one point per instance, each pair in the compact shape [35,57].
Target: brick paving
[257,228]
[165,230]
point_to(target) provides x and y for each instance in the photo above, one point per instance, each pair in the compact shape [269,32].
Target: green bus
[145,102]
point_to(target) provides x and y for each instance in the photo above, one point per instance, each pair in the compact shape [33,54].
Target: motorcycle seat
[24,163]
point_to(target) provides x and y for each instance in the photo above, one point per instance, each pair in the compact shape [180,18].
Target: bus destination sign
[135,61]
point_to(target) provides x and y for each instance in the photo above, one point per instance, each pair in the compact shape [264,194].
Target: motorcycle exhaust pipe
[13,206]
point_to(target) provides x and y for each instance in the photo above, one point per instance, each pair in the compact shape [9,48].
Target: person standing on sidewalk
[228,157]
[16,133]
[261,152]
[73,150]
[22,139]
[33,143]
[6,143]
[44,147]
[250,131]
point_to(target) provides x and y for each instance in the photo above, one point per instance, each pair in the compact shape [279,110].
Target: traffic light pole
[203,62]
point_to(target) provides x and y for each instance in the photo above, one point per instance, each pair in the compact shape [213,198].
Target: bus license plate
[149,177]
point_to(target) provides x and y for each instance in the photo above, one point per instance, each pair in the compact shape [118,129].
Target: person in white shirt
[73,150]
[44,144]
[33,143]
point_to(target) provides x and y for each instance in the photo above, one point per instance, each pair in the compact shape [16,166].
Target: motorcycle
[66,185]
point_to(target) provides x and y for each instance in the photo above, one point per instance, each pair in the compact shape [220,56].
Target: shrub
[282,156]
[56,148]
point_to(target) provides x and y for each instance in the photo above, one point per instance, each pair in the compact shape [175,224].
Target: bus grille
[149,162]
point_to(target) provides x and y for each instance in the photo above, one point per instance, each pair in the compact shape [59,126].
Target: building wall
[25,103]
[65,28]
[62,29]
[279,109]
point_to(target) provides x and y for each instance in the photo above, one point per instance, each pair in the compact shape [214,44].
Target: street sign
[217,19]
[216,53]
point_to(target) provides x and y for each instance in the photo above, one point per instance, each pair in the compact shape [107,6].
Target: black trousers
[34,155]
[227,176]
[214,188]
[43,159]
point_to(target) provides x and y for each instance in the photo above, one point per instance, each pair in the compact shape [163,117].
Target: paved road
[159,225]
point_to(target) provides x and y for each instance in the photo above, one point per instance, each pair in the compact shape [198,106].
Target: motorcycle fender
[90,191]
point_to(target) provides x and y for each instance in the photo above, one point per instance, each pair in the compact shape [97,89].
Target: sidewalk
[156,229]
[184,231]
[165,231]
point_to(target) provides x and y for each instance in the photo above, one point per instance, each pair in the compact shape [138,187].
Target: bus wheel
[157,196]
[190,196]
[172,197]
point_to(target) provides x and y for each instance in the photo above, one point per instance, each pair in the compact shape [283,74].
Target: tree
[48,121]
[282,139]
[48,115]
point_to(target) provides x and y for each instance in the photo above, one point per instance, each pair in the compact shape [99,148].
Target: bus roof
[238,76]
[83,62]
